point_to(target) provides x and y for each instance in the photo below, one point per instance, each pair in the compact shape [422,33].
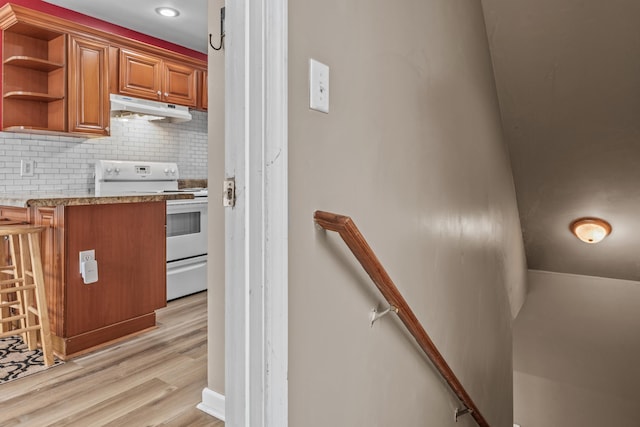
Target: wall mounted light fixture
[590,230]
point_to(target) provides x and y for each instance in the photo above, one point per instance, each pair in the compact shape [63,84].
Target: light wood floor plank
[154,379]
[116,406]
[148,413]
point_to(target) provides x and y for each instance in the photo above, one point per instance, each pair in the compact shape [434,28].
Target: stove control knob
[173,171]
[109,170]
[166,171]
[117,170]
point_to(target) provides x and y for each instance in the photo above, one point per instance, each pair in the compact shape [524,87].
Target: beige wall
[576,352]
[412,151]
[543,402]
[215,260]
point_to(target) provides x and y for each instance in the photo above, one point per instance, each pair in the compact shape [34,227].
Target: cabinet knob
[166,94]
[159,93]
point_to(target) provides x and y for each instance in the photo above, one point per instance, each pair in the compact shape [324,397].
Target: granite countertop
[192,183]
[71,199]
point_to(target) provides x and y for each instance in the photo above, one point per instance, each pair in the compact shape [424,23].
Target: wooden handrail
[347,229]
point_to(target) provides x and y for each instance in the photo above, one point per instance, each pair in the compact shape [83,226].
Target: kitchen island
[128,236]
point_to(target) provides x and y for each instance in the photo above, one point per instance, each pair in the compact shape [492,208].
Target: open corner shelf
[33,63]
[32,96]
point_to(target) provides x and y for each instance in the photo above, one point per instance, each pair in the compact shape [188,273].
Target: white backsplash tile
[67,163]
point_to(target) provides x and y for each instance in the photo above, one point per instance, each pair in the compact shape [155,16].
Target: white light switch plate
[318,86]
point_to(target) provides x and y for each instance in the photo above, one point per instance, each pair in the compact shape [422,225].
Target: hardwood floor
[154,379]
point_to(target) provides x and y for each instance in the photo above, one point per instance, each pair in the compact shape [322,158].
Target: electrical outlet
[26,167]
[86,256]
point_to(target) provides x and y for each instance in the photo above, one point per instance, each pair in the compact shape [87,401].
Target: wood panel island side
[128,236]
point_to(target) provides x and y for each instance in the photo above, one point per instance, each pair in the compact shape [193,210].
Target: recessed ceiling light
[169,12]
[590,230]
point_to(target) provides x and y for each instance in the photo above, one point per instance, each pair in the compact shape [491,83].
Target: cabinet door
[140,75]
[88,86]
[179,84]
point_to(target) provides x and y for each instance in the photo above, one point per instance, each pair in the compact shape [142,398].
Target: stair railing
[347,229]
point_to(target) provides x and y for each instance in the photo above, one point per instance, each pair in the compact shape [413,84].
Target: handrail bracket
[375,314]
[460,412]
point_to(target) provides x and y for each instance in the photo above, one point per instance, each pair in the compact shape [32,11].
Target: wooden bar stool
[22,294]
[5,259]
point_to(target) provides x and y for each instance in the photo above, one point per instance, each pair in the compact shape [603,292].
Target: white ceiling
[189,29]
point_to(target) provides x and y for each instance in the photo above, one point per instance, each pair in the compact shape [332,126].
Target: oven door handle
[185,268]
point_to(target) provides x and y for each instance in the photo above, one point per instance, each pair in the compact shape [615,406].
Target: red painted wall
[104,26]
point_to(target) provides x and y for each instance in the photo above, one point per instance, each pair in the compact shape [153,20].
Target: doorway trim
[256,241]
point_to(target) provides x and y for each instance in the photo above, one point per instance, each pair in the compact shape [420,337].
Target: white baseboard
[212,403]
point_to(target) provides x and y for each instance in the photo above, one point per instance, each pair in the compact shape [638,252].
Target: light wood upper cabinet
[151,77]
[140,75]
[180,84]
[88,86]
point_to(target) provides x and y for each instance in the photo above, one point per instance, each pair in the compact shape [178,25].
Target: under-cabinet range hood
[123,106]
